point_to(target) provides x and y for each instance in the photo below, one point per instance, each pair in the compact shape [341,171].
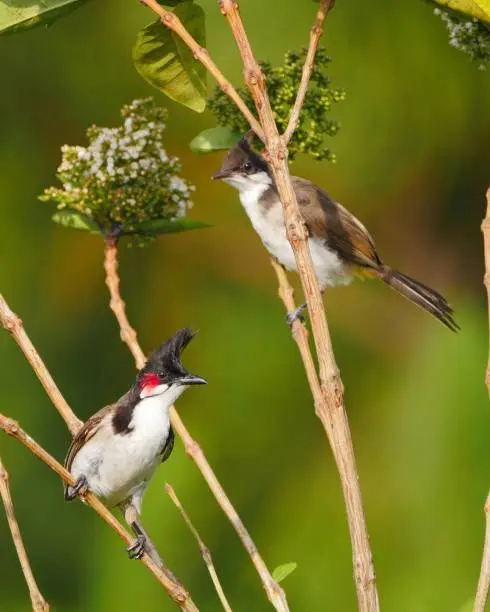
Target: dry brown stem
[205,552]
[13,324]
[315,35]
[484,579]
[192,448]
[118,307]
[330,410]
[176,591]
[39,604]
[171,21]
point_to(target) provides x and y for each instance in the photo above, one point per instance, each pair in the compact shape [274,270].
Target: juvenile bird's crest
[243,159]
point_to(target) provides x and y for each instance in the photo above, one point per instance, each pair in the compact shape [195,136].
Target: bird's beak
[221,175]
[192,379]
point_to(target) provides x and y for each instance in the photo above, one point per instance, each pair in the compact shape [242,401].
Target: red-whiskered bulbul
[340,246]
[116,452]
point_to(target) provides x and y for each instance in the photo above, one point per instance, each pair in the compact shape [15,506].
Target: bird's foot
[79,488]
[137,550]
[297,314]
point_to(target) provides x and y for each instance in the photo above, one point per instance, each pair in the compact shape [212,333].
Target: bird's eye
[247,166]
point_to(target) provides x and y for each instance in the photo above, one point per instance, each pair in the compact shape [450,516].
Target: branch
[205,553]
[315,35]
[39,604]
[484,579]
[485,227]
[192,448]
[330,410]
[118,307]
[13,324]
[176,591]
[171,21]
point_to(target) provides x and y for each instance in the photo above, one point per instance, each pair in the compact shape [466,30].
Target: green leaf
[474,8]
[163,226]
[283,571]
[167,63]
[19,15]
[76,221]
[169,3]
[214,139]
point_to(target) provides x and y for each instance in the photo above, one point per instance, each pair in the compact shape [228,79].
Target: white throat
[253,183]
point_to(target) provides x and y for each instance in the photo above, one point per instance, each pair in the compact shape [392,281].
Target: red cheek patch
[150,380]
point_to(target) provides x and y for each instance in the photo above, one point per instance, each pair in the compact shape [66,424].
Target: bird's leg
[79,488]
[143,542]
[296,314]
[136,550]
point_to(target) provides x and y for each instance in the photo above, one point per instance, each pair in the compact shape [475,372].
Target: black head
[164,365]
[242,161]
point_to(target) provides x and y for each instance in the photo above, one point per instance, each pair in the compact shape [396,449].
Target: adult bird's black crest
[165,360]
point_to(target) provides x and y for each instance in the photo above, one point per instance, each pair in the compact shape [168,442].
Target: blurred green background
[413,161]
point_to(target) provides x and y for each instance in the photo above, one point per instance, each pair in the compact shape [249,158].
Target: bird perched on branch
[116,452]
[340,246]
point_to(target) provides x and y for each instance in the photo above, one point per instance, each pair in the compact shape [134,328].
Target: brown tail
[419,294]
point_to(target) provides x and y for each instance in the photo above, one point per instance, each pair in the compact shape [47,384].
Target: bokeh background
[413,164]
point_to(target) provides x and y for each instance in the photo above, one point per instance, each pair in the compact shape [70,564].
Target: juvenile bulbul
[116,452]
[340,245]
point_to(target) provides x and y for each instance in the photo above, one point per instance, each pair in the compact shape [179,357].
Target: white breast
[117,465]
[269,224]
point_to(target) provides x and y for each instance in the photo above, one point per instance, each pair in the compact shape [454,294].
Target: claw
[79,488]
[297,314]
[137,550]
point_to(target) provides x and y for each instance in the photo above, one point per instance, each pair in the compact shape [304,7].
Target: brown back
[342,232]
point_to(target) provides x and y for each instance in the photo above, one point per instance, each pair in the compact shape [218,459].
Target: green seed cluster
[470,36]
[124,176]
[282,85]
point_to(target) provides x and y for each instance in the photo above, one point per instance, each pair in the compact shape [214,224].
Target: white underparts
[268,222]
[118,467]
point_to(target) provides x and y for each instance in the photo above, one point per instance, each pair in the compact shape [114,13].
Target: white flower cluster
[124,176]
[471,37]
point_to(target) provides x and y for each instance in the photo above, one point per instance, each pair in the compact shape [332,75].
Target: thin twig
[13,324]
[39,604]
[205,552]
[315,35]
[174,588]
[331,410]
[484,579]
[192,448]
[118,307]
[171,21]
[485,227]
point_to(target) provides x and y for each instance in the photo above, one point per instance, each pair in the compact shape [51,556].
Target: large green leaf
[167,63]
[214,139]
[75,220]
[163,226]
[283,571]
[474,8]
[19,15]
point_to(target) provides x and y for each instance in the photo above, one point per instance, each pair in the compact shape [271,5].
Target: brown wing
[342,232]
[88,430]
